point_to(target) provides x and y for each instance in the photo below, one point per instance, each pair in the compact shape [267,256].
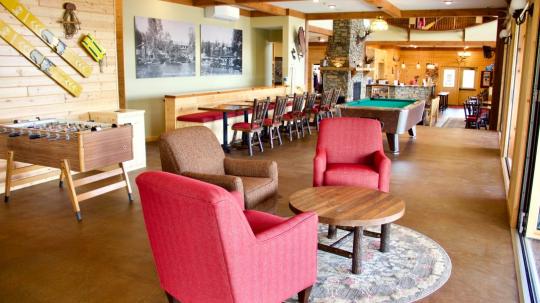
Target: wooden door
[449,82]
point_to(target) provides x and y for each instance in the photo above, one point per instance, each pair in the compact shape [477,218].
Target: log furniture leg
[71,189]
[357,250]
[9,175]
[303,296]
[385,237]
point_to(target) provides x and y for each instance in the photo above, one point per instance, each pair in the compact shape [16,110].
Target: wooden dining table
[225,109]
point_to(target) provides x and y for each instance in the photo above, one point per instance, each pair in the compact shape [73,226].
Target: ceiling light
[331,6]
[413,46]
[430,66]
[379,24]
[464,54]
[316,1]
[448,2]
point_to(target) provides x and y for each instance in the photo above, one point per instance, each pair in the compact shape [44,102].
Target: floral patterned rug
[414,268]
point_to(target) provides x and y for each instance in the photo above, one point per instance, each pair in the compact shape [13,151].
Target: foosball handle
[78,216]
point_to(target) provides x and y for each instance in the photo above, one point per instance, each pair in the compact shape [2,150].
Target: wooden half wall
[176,105]
[26,92]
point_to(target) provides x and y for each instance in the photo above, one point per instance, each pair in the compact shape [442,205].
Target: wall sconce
[418,65]
[403,66]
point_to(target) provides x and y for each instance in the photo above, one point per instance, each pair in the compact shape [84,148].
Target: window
[468,79]
[449,78]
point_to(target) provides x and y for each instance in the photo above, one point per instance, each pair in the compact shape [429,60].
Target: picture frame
[486,79]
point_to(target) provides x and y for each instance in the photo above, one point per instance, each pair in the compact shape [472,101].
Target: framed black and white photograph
[164,48]
[221,50]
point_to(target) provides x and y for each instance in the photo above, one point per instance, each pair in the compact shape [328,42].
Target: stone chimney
[345,51]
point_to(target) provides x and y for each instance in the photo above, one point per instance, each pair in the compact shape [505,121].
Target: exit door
[450,83]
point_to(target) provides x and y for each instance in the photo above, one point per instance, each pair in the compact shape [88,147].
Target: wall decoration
[164,48]
[70,21]
[94,49]
[31,53]
[486,79]
[38,28]
[221,50]
[301,42]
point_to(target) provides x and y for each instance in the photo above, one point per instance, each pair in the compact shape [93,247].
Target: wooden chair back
[335,97]
[326,99]
[298,103]
[260,108]
[472,109]
[310,102]
[279,109]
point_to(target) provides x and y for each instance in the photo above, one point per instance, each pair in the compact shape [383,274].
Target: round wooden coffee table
[350,208]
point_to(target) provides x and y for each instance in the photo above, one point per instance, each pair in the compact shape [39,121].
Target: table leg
[332,231]
[225,144]
[357,250]
[385,238]
[412,131]
[245,137]
[393,142]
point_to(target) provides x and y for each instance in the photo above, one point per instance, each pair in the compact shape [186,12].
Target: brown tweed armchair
[196,153]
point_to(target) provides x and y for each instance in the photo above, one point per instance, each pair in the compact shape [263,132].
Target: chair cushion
[201,117]
[257,190]
[244,126]
[267,122]
[345,174]
[260,221]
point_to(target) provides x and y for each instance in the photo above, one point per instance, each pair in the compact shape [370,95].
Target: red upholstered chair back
[195,228]
[350,140]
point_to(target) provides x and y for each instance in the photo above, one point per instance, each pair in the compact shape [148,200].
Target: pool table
[396,115]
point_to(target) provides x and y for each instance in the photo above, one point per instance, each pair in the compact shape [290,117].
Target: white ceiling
[309,6]
[322,6]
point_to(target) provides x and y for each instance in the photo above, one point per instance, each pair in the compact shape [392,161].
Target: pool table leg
[393,142]
[412,131]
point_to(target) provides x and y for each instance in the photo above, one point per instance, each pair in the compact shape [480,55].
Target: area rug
[454,123]
[414,268]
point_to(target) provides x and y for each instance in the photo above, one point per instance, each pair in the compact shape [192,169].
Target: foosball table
[96,149]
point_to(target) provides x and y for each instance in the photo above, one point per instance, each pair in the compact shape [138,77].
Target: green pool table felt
[387,103]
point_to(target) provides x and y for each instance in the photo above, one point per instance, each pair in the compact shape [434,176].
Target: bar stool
[255,127]
[272,124]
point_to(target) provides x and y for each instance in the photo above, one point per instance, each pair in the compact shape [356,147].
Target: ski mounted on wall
[37,58]
[37,27]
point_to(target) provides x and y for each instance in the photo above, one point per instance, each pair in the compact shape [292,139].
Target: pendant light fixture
[403,66]
[418,65]
[379,25]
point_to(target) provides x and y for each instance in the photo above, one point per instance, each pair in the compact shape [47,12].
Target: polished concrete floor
[449,178]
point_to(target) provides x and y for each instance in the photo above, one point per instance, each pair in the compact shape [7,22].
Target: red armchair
[350,153]
[207,248]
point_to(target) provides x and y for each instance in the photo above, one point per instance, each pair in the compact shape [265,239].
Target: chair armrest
[230,183]
[319,167]
[251,168]
[383,165]
[307,220]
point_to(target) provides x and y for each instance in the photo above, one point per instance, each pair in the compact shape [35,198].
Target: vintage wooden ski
[43,63]
[35,25]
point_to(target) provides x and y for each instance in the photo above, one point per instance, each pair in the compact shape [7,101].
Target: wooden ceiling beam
[321,31]
[439,44]
[260,8]
[411,14]
[386,7]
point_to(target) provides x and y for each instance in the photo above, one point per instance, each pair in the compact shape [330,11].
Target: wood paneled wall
[317,52]
[26,92]
[443,58]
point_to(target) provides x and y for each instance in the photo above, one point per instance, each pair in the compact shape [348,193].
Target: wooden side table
[350,208]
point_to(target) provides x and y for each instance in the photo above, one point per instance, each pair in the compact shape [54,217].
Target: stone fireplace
[345,52]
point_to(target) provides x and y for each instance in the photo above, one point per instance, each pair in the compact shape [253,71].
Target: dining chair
[293,118]
[332,107]
[309,110]
[273,124]
[323,107]
[472,114]
[255,127]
